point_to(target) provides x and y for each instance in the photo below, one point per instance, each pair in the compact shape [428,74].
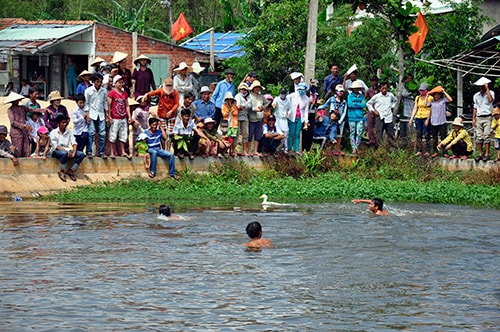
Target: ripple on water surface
[334,267]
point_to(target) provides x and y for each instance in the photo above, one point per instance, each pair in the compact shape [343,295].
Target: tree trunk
[401,70]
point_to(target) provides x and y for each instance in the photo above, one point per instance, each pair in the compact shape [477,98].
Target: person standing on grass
[421,112]
[437,117]
[356,104]
[381,105]
[226,85]
[481,117]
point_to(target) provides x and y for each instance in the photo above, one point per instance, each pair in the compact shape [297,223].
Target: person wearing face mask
[421,112]
[337,104]
[281,106]
[298,116]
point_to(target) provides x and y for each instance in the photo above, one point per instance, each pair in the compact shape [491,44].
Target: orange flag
[417,39]
[181,28]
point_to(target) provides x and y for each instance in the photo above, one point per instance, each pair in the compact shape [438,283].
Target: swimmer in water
[165,212]
[254,231]
[376,205]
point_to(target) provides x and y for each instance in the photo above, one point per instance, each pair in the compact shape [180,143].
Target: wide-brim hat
[85,72]
[437,89]
[119,56]
[458,122]
[295,75]
[141,57]
[55,95]
[356,85]
[256,84]
[183,66]
[3,130]
[205,89]
[228,95]
[496,111]
[482,81]
[351,69]
[209,120]
[243,86]
[132,102]
[314,82]
[13,97]
[197,68]
[96,61]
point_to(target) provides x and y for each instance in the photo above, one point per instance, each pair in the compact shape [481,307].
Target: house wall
[168,56]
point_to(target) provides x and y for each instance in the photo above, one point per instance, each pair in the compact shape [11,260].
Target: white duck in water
[265,202]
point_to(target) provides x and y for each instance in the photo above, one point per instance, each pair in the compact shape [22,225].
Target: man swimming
[376,205]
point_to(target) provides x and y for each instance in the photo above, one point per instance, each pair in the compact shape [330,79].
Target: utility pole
[312,27]
[170,5]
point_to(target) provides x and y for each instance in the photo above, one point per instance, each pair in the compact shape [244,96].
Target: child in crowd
[216,146]
[81,121]
[119,116]
[35,121]
[133,104]
[325,125]
[184,141]
[140,117]
[458,140]
[32,102]
[436,122]
[141,148]
[281,107]
[42,143]
[244,105]
[7,150]
[226,137]
[376,205]
[254,232]
[230,115]
[495,126]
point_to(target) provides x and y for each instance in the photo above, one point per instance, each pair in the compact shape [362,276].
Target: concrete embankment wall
[35,177]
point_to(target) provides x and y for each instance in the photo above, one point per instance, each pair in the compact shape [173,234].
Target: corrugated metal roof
[224,44]
[37,37]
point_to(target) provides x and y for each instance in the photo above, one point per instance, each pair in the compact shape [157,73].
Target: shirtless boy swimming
[376,205]
[254,231]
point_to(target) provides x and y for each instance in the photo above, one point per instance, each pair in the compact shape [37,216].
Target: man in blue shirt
[222,87]
[154,148]
[332,80]
[205,108]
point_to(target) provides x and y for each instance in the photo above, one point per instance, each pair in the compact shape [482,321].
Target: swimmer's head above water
[164,210]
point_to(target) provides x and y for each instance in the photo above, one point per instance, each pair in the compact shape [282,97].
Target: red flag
[181,28]
[417,39]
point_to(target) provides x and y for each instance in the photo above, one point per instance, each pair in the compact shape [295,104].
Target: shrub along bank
[395,176]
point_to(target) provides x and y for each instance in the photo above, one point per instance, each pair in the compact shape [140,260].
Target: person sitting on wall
[7,150]
[458,140]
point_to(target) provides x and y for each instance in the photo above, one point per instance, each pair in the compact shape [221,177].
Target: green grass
[395,177]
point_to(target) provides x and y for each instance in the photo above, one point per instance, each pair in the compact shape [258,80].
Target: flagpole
[212,57]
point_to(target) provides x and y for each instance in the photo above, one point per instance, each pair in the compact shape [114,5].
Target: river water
[334,267]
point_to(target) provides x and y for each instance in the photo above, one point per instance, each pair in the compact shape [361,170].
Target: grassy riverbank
[395,177]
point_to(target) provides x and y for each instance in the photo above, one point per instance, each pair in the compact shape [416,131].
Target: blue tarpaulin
[224,44]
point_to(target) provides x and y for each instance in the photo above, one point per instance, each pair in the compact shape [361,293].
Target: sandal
[486,158]
[478,158]
[464,158]
[191,157]
[180,156]
[175,177]
[62,176]
[71,175]
[129,157]
[112,156]
[454,157]
[151,175]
